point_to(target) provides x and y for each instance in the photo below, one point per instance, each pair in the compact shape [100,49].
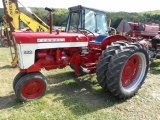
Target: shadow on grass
[6,67]
[155,67]
[9,101]
[60,77]
[82,95]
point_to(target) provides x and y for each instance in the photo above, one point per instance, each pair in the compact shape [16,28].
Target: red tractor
[121,65]
[148,35]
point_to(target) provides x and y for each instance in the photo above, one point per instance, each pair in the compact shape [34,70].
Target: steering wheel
[86,32]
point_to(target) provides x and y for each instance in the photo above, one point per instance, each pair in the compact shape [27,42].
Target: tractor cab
[89,19]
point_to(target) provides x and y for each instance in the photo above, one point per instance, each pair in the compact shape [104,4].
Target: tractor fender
[110,39]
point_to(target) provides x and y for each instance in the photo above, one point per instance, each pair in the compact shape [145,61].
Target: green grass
[77,98]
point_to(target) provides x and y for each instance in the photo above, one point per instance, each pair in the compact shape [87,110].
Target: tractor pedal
[85,69]
[89,64]
[85,53]
[158,50]
[98,49]
[157,56]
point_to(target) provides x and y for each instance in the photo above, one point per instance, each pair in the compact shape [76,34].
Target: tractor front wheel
[127,70]
[16,79]
[31,86]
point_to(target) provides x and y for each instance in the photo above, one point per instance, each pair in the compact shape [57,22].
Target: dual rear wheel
[122,68]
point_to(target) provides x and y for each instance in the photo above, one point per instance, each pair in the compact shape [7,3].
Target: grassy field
[77,98]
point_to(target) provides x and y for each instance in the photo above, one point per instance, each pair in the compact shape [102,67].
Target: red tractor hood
[34,37]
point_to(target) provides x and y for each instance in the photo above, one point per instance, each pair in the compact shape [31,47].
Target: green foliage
[0,18]
[143,17]
[116,17]
[60,16]
[1,14]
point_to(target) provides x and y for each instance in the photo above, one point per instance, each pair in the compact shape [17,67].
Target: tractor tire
[31,86]
[16,79]
[104,59]
[4,43]
[127,70]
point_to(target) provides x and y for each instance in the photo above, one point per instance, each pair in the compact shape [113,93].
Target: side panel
[62,45]
[19,56]
[26,52]
[26,55]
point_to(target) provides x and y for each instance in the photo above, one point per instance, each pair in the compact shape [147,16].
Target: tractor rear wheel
[125,69]
[104,59]
[31,86]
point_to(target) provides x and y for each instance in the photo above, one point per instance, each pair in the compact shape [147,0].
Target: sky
[106,5]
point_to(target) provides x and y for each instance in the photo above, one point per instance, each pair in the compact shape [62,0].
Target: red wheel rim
[5,43]
[33,89]
[130,71]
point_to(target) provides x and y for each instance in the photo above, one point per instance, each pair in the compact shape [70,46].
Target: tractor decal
[62,45]
[51,40]
[40,29]
[28,52]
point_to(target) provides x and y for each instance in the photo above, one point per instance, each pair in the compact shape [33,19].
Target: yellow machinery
[6,28]
[9,39]
[13,17]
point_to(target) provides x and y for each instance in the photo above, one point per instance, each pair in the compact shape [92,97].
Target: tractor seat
[98,39]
